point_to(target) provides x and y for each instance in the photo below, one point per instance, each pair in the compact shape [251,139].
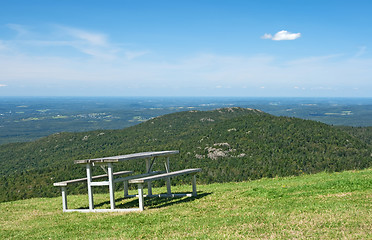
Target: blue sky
[257,48]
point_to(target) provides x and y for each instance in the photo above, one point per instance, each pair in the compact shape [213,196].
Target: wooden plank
[127,157]
[165,175]
[64,183]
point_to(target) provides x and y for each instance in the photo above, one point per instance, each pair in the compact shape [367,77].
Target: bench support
[148,170]
[89,181]
[169,191]
[140,197]
[141,181]
[125,189]
[194,185]
[64,198]
[110,172]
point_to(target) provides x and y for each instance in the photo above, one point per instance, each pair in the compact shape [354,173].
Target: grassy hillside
[231,144]
[320,206]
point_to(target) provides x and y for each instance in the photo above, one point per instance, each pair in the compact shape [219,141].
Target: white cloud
[107,69]
[282,35]
[267,36]
[3,85]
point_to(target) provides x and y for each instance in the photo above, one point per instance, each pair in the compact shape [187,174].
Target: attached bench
[142,180]
[147,177]
[64,184]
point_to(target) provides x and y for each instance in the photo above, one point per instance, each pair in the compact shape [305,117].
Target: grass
[320,206]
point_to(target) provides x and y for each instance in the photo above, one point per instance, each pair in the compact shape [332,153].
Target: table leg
[125,189]
[110,171]
[149,186]
[89,181]
[64,198]
[140,197]
[194,193]
[169,191]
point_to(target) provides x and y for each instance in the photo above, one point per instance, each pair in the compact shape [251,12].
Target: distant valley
[27,118]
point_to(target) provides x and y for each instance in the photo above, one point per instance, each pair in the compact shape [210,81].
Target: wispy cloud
[3,46]
[282,35]
[203,72]
[20,29]
[106,68]
[91,38]
[267,36]
[134,54]
[362,51]
[90,43]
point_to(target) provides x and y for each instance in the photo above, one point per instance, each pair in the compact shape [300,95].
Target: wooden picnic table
[140,179]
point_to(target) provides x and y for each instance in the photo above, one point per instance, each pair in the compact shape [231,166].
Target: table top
[126,157]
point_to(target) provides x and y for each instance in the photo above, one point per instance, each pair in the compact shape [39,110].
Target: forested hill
[230,144]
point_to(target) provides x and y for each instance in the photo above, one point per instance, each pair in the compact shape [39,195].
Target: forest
[229,144]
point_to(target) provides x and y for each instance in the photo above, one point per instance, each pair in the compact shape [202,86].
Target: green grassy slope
[231,144]
[320,206]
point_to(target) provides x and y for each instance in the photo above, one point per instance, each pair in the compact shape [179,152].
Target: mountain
[230,144]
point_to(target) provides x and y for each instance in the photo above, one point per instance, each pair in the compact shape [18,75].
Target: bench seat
[165,175]
[64,183]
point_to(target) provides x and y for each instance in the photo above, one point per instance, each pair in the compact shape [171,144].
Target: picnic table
[107,163]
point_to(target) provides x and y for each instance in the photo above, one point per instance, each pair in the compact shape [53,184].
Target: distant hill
[230,144]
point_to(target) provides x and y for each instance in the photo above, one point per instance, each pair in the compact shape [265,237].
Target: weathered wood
[165,175]
[64,183]
[127,157]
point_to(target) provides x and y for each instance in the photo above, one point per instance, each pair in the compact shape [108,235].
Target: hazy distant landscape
[29,118]
[270,100]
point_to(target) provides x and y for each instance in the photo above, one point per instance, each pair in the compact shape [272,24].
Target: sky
[267,48]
